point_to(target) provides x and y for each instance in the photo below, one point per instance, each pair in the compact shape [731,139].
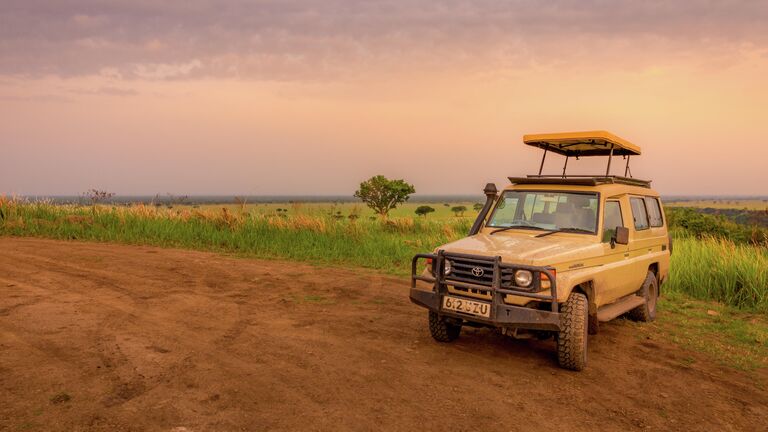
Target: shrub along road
[111,337]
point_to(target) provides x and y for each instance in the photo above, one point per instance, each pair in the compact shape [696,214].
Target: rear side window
[639,213]
[654,212]
[612,219]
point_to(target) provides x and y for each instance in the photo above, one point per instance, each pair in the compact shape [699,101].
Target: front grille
[462,271]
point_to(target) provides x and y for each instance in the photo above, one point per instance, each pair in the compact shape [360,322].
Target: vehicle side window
[611,220]
[654,212]
[639,213]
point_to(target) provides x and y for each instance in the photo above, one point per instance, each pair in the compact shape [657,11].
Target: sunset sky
[311,97]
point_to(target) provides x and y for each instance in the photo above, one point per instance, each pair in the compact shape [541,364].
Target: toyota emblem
[478,272]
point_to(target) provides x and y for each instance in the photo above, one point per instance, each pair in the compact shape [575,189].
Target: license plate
[467,306]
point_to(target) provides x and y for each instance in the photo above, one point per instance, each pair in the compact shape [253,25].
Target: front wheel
[442,330]
[572,338]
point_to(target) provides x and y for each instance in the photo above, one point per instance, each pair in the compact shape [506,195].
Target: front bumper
[501,313]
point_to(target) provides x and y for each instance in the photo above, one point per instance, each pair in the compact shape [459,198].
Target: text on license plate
[467,306]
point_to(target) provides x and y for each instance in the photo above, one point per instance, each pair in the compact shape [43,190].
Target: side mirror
[621,236]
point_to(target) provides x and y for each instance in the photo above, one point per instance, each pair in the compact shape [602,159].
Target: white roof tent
[577,144]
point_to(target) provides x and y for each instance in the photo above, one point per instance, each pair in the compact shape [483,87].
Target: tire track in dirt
[151,339]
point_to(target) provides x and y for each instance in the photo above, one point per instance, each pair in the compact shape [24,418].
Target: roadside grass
[732,337]
[718,269]
[748,204]
[304,236]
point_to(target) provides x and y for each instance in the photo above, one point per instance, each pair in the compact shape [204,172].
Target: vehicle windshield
[544,210]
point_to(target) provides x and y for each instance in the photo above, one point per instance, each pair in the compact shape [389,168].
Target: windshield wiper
[566,229]
[534,227]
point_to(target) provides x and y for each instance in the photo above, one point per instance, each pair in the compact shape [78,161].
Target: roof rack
[579,180]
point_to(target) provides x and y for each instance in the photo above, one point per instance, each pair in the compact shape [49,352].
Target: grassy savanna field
[745,204]
[344,209]
[716,298]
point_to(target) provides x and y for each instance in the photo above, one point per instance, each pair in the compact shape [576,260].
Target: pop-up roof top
[591,143]
[577,144]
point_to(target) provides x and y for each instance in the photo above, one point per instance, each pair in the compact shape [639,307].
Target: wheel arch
[588,289]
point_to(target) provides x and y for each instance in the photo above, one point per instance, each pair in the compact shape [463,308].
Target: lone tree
[477,206]
[424,210]
[459,210]
[382,194]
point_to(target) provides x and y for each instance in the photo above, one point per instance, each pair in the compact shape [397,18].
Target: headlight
[447,268]
[523,278]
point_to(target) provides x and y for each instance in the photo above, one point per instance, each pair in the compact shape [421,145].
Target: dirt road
[109,337]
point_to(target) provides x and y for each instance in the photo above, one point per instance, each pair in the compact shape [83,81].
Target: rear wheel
[650,290]
[572,338]
[441,329]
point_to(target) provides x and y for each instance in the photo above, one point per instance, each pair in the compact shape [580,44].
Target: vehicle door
[611,282]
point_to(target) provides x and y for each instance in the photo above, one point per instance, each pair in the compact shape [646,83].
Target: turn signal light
[545,282]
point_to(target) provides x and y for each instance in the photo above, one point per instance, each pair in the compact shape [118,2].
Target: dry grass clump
[402,225]
[141,210]
[226,218]
[304,222]
[7,205]
[299,222]
[9,215]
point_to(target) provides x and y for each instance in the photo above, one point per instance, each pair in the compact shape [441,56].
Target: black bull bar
[501,313]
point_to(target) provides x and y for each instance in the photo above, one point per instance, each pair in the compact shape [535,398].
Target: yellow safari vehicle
[552,255]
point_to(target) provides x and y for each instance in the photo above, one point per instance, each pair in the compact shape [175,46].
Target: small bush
[459,210]
[424,210]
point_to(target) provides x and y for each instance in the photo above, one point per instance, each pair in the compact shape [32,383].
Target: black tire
[572,338]
[650,290]
[441,329]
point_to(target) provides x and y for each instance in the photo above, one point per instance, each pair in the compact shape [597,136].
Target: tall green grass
[718,269]
[386,245]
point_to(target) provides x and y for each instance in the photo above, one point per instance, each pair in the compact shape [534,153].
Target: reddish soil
[113,338]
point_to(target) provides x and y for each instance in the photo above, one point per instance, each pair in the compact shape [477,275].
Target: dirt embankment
[108,337]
